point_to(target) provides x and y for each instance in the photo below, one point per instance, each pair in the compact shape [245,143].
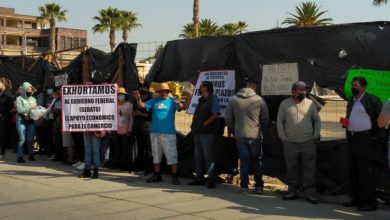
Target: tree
[108,20]
[207,27]
[127,22]
[195,18]
[52,12]
[233,28]
[307,14]
[379,2]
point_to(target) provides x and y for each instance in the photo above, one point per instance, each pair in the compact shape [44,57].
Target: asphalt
[50,190]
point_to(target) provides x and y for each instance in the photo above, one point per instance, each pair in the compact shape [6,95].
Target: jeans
[250,152]
[92,150]
[26,132]
[204,156]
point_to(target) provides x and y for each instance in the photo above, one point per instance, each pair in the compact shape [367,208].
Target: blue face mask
[121,97]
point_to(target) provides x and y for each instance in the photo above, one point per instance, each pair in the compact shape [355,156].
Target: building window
[68,43]
[62,43]
[76,42]
[83,42]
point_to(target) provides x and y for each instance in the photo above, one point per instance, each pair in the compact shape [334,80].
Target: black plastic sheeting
[316,50]
[101,68]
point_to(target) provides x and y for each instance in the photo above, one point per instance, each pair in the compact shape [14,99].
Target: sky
[162,20]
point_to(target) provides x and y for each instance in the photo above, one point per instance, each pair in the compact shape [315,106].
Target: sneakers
[175,180]
[95,173]
[244,191]
[86,173]
[312,199]
[155,178]
[1,156]
[51,157]
[81,166]
[20,160]
[31,158]
[290,196]
[258,190]
[76,164]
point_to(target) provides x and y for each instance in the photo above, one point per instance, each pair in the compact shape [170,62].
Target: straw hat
[163,87]
[122,90]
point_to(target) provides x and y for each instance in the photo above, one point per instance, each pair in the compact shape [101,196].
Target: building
[29,35]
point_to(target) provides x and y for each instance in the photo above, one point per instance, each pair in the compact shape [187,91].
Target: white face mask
[49,91]
[121,97]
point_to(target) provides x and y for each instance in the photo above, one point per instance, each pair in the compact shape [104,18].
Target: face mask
[121,97]
[354,91]
[28,94]
[49,91]
[301,96]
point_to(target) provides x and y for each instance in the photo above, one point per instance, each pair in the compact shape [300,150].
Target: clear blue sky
[162,20]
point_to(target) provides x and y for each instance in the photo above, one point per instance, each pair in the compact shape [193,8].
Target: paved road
[49,190]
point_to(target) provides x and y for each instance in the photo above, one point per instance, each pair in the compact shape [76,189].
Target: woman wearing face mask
[25,126]
[123,148]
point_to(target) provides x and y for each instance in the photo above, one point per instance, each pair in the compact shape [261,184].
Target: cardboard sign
[378,82]
[224,87]
[61,80]
[89,108]
[277,79]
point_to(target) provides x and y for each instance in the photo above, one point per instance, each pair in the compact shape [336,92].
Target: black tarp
[101,67]
[316,50]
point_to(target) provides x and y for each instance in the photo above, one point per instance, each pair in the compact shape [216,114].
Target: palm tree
[52,12]
[229,29]
[207,27]
[108,20]
[195,18]
[128,22]
[242,26]
[379,2]
[307,14]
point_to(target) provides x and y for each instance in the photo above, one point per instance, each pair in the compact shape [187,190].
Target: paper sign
[61,80]
[224,87]
[277,79]
[89,108]
[378,82]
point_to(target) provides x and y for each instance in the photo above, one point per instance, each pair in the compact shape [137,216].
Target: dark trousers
[3,134]
[144,159]
[204,156]
[300,165]
[57,139]
[123,152]
[361,157]
[250,152]
[45,141]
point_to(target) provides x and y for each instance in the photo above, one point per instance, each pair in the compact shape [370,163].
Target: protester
[204,127]
[363,110]
[92,153]
[247,116]
[56,126]
[141,132]
[299,125]
[383,122]
[6,105]
[123,147]
[163,132]
[25,126]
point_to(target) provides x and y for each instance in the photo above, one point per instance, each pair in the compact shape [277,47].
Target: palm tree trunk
[52,36]
[195,18]
[112,39]
[125,35]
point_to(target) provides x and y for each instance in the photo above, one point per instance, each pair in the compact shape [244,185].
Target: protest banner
[278,78]
[378,82]
[224,87]
[61,80]
[89,108]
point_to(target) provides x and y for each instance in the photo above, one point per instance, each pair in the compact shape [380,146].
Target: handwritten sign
[89,108]
[378,82]
[224,87]
[61,80]
[278,78]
